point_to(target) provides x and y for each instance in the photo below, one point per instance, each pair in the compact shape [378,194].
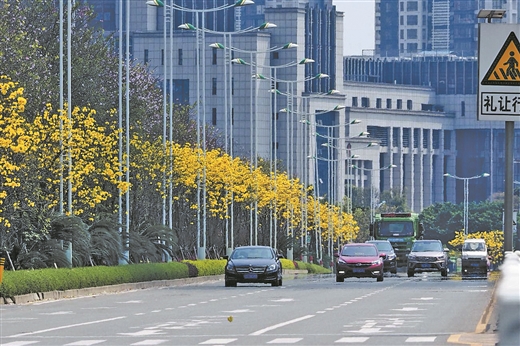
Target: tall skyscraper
[406,28]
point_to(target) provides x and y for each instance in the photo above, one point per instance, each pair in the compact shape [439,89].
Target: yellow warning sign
[505,69]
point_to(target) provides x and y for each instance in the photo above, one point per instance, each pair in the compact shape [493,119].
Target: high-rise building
[406,28]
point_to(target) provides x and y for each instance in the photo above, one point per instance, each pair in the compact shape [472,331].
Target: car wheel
[444,272]
[394,271]
[380,278]
[410,273]
[340,278]
[280,282]
[230,283]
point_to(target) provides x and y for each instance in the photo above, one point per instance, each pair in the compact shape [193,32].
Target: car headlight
[390,257]
[272,267]
[440,258]
[377,261]
[411,257]
[230,266]
[340,260]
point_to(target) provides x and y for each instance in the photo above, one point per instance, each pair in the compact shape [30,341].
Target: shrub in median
[44,280]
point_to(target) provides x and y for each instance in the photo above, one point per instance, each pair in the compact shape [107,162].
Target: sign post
[499,97]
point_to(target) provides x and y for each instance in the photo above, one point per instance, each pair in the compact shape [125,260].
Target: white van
[475,258]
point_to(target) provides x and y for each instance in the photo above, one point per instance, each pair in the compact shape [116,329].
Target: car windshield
[395,228]
[427,247]
[358,251]
[251,253]
[384,246]
[473,246]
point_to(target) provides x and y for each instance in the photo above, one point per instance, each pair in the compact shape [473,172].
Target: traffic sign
[499,72]
[504,70]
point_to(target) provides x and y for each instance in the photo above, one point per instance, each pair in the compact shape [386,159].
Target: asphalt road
[306,310]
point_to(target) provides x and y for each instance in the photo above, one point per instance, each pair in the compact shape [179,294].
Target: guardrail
[508,299]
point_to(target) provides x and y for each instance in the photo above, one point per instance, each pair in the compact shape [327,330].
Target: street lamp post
[200,58]
[372,170]
[466,195]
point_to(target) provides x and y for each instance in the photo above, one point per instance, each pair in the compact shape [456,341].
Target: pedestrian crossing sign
[505,69]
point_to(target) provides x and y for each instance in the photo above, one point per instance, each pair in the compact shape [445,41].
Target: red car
[359,260]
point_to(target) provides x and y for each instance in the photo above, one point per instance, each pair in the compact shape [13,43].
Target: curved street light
[201,184]
[466,195]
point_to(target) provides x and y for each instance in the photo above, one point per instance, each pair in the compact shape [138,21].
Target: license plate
[358,270]
[425,265]
[474,264]
[250,276]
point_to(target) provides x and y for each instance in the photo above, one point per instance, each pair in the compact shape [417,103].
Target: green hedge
[45,280]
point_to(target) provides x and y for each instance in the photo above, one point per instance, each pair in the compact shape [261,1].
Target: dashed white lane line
[67,326]
[217,342]
[416,339]
[284,341]
[352,340]
[262,331]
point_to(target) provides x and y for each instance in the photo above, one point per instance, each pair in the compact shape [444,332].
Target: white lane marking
[262,331]
[65,327]
[407,309]
[282,300]
[58,313]
[85,343]
[131,302]
[238,311]
[421,339]
[149,342]
[366,330]
[142,332]
[284,341]
[351,340]
[423,298]
[19,343]
[216,341]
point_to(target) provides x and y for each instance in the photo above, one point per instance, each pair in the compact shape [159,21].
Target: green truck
[401,229]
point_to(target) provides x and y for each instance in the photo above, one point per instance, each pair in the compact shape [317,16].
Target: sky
[358,25]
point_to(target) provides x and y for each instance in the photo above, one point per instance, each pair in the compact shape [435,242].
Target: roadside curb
[94,291]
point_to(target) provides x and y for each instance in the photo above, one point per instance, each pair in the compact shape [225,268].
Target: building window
[411,34]
[406,137]
[425,138]
[436,139]
[395,137]
[401,20]
[146,56]
[388,103]
[378,103]
[162,57]
[412,6]
[180,57]
[447,140]
[462,108]
[401,34]
[213,86]
[409,105]
[214,116]
[354,102]
[275,55]
[411,20]
[411,47]
[416,138]
[365,102]
[214,56]
[399,104]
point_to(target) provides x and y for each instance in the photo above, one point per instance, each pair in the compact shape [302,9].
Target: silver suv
[427,256]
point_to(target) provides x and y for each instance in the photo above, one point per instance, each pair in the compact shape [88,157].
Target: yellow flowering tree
[494,242]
